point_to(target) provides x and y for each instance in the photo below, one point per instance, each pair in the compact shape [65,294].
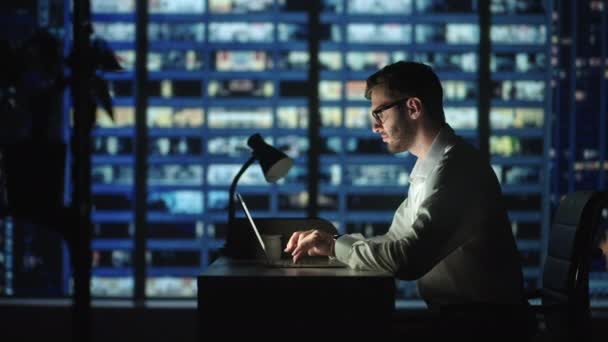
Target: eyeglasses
[377,113]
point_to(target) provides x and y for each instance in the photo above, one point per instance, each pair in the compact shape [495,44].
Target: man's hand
[310,242]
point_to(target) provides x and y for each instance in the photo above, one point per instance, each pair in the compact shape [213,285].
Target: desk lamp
[274,163]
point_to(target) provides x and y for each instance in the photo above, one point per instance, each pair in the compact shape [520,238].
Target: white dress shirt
[451,233]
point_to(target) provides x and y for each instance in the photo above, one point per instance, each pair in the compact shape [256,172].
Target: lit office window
[242,32]
[213,82]
[174,33]
[240,6]
[113,158]
[115,31]
[380,7]
[112,6]
[176,6]
[520,80]
[175,203]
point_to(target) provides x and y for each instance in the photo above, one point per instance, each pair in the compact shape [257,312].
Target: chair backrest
[566,268]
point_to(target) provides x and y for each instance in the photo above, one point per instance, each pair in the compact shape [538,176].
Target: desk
[239,298]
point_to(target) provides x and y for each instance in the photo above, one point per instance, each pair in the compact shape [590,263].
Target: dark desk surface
[224,267]
[237,296]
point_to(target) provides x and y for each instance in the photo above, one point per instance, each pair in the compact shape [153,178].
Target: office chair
[564,313]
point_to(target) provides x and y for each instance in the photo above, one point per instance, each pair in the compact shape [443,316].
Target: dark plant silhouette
[35,76]
[32,151]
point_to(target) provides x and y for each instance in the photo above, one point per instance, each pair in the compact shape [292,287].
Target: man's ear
[414,107]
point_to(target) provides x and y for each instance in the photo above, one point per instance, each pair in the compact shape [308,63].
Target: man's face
[392,121]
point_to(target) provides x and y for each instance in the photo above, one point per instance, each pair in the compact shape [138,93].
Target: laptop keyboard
[306,262]
[300,262]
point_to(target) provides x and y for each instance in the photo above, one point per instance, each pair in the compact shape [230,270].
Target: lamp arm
[235,180]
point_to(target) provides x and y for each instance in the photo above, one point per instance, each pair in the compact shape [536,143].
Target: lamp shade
[274,163]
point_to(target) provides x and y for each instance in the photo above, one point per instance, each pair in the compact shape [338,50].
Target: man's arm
[316,242]
[401,218]
[441,224]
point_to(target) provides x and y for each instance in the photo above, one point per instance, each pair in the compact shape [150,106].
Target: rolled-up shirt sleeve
[439,226]
[345,243]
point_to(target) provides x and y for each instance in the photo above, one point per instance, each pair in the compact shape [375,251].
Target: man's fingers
[303,245]
[296,245]
[293,241]
[300,252]
[295,238]
[297,250]
[297,256]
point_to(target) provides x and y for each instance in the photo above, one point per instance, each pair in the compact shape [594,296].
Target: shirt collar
[442,141]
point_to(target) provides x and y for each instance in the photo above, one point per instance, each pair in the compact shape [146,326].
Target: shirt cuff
[343,247]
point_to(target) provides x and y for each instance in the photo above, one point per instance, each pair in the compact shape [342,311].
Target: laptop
[310,262]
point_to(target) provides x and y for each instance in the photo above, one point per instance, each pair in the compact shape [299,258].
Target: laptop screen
[253,226]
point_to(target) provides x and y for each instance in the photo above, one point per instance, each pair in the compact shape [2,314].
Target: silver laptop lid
[253,226]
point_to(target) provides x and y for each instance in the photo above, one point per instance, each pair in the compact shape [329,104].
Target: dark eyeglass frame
[377,113]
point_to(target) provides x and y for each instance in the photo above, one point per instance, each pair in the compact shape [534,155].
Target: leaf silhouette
[102,94]
[105,58]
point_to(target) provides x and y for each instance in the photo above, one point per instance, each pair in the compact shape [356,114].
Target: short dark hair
[411,79]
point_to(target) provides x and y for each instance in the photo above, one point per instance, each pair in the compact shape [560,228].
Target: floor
[33,322]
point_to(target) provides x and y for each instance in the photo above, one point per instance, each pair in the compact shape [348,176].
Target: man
[451,233]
